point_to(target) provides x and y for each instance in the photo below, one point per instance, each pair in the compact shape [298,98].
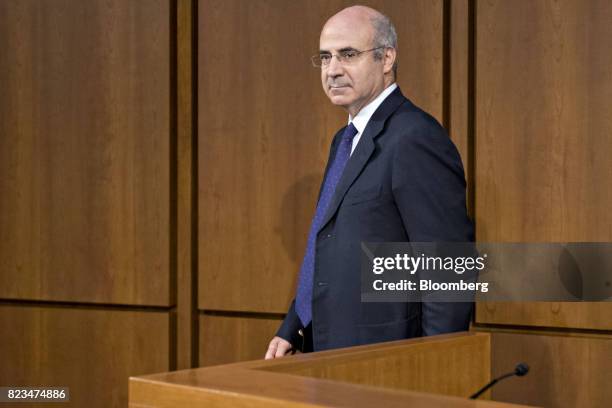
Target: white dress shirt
[360,121]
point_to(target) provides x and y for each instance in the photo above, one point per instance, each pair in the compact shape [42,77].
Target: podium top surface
[363,376]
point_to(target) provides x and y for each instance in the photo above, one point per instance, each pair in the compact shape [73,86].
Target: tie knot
[349,133]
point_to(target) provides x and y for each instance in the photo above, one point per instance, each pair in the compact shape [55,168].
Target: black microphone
[520,370]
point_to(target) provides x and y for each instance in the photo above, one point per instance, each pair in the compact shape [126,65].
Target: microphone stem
[489,385]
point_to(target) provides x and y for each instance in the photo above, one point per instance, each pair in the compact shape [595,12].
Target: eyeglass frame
[339,57]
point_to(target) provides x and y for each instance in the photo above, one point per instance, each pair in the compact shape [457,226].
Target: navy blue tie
[303,301]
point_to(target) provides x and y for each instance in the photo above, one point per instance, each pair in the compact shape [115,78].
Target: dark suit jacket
[403,182]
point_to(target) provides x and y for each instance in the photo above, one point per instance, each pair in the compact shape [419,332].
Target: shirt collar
[362,118]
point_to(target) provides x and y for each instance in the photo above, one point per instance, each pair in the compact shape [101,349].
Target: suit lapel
[364,150]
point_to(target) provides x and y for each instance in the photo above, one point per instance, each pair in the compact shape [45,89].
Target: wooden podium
[437,371]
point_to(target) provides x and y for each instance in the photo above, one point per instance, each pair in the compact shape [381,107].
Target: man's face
[350,85]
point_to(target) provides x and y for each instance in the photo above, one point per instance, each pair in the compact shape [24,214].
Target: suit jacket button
[301,332]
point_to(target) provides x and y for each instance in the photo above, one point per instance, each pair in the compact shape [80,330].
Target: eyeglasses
[344,57]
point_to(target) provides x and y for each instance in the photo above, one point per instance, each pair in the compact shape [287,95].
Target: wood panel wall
[568,369]
[86,290]
[84,153]
[91,351]
[230,338]
[543,174]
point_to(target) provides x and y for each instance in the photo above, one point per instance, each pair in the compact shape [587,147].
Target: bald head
[354,15]
[358,48]
[380,30]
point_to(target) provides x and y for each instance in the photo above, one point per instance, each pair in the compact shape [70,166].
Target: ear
[389,59]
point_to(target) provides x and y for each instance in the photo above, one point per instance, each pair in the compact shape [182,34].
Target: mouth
[337,87]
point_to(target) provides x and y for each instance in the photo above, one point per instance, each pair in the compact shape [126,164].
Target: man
[393,175]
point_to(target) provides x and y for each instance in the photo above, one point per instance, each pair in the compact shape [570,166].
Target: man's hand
[278,347]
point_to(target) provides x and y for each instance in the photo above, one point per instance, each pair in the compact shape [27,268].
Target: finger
[271,350]
[282,349]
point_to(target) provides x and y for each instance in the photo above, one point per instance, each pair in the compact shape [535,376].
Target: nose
[334,68]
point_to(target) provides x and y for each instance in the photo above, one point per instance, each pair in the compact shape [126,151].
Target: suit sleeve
[290,326]
[428,185]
